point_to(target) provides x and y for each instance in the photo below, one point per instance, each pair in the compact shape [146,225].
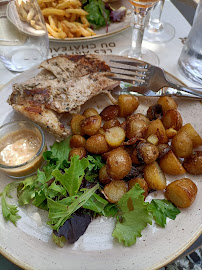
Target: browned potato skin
[136,128]
[127,104]
[170,164]
[182,144]
[101,131]
[163,149]
[90,112]
[76,124]
[118,163]
[135,158]
[115,190]
[167,103]
[139,116]
[148,152]
[97,144]
[193,164]
[172,119]
[181,193]
[77,141]
[104,178]
[111,123]
[154,176]
[157,127]
[80,151]
[91,125]
[143,184]
[195,137]
[110,112]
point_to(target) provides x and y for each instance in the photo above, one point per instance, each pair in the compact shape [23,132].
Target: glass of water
[23,35]
[190,61]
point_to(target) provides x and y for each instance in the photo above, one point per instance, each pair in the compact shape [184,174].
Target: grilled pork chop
[65,83]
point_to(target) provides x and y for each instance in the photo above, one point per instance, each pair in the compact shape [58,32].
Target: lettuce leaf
[72,177]
[98,15]
[133,216]
[161,209]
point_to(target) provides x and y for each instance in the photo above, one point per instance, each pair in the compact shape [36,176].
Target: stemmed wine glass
[23,35]
[140,18]
[158,31]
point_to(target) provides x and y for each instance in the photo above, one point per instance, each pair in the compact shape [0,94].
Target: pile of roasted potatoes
[140,148]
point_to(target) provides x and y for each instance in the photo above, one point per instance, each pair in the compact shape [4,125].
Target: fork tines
[129,70]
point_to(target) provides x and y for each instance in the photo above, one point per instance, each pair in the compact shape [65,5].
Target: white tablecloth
[168,53]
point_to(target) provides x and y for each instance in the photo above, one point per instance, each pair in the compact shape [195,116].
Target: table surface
[188,258]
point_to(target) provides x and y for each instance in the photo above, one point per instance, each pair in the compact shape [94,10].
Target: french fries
[27,12]
[65,18]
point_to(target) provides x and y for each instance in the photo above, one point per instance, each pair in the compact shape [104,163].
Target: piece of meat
[50,94]
[45,118]
[74,66]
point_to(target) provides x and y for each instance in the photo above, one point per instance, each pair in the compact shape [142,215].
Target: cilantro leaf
[59,212]
[133,216]
[72,177]
[161,209]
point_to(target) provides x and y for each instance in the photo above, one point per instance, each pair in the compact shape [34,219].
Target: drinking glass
[158,31]
[140,18]
[23,35]
[190,61]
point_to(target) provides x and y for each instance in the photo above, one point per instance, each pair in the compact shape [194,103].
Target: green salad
[72,195]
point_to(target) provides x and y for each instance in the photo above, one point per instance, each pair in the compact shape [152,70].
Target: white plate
[114,28]
[30,246]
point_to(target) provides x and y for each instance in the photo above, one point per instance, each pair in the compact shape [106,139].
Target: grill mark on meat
[35,91]
[52,93]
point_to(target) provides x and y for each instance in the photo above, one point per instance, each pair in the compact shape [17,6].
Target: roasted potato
[156,127]
[115,136]
[115,190]
[182,144]
[154,176]
[181,193]
[77,141]
[97,144]
[167,103]
[136,128]
[193,164]
[153,139]
[91,125]
[172,119]
[163,149]
[127,104]
[143,184]
[147,152]
[90,112]
[118,163]
[76,124]
[170,164]
[139,116]
[111,123]
[110,112]
[170,133]
[104,178]
[154,112]
[80,151]
[195,137]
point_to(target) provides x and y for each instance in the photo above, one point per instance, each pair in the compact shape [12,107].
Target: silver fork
[146,77]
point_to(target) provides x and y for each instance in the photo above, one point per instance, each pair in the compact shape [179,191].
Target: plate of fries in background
[66,20]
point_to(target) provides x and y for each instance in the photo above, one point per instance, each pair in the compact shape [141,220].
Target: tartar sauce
[19,147]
